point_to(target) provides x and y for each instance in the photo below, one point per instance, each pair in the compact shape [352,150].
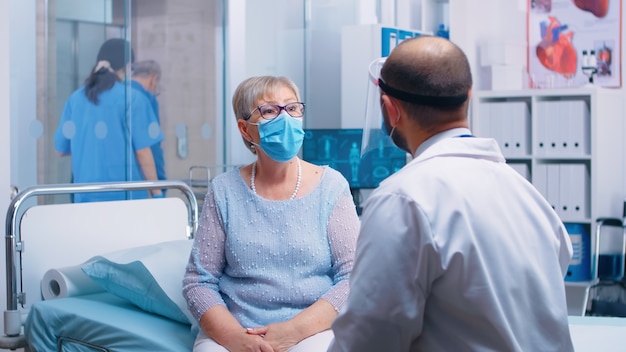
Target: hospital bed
[145,242]
[55,236]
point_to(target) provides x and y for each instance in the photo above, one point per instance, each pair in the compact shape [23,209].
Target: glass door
[68,51]
[182,39]
[204,49]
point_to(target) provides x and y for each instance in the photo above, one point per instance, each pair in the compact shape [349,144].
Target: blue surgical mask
[281,137]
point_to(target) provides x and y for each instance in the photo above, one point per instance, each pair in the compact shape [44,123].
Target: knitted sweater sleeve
[343,229]
[206,261]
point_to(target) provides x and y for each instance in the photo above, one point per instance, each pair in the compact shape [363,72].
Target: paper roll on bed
[67,282]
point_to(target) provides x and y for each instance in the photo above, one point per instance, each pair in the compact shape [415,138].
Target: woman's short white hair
[253,89]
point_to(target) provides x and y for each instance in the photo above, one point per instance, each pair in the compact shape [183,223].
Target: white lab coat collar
[484,148]
[455,132]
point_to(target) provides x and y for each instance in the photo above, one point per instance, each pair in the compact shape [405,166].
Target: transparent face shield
[375,138]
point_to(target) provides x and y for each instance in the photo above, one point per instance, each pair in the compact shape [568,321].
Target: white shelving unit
[570,144]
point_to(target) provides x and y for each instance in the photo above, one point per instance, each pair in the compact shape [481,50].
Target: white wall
[100,11]
[5,106]
[235,72]
[5,127]
[475,22]
[25,127]
[18,120]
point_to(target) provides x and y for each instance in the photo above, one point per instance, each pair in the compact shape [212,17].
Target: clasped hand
[280,336]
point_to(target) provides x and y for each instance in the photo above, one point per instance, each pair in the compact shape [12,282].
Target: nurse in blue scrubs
[107,132]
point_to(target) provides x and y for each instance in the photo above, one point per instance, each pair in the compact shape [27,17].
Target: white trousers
[316,343]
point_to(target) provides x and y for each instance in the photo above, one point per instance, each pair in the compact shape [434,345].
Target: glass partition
[67,50]
[298,39]
[184,38]
[204,49]
[181,39]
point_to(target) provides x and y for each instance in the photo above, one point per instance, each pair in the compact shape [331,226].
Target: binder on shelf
[540,179]
[498,127]
[503,128]
[517,115]
[565,191]
[554,188]
[553,127]
[561,137]
[577,127]
[541,122]
[525,128]
[579,190]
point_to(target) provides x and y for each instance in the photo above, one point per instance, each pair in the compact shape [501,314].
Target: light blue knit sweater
[268,260]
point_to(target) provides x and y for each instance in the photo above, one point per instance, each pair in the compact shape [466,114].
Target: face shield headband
[434,101]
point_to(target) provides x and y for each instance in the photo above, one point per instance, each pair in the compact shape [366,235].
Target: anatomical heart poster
[572,43]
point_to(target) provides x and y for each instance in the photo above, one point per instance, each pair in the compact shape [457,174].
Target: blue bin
[580,266]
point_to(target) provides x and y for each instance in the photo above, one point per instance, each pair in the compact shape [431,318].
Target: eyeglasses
[271,111]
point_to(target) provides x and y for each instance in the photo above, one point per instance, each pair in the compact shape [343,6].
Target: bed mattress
[102,322]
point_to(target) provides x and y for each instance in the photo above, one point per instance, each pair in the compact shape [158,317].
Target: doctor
[146,79]
[457,251]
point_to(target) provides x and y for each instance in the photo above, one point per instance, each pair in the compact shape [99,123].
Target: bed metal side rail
[13,238]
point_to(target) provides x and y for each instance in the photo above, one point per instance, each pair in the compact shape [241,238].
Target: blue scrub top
[157,150]
[102,139]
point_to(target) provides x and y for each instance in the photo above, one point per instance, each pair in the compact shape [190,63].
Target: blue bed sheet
[102,322]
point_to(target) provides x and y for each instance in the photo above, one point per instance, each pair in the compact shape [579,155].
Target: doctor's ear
[391,108]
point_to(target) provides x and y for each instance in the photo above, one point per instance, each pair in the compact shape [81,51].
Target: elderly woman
[271,260]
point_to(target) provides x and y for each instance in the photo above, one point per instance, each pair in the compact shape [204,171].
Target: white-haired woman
[271,260]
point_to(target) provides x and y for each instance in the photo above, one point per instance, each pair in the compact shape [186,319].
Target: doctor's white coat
[457,252]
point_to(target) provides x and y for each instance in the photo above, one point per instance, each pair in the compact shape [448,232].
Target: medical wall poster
[572,43]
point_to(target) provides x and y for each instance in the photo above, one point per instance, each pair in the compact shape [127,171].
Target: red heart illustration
[555,51]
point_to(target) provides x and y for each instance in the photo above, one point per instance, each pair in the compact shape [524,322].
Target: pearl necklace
[298,181]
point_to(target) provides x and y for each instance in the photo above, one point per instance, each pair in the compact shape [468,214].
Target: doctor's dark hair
[117,53]
[258,88]
[429,66]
